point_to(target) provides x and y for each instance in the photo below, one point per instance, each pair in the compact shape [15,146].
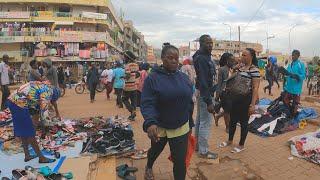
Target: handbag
[239,84]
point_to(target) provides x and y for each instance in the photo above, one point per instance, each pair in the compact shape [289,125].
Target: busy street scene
[159,90]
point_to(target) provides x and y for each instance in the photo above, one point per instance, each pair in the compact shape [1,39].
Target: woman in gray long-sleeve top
[225,63]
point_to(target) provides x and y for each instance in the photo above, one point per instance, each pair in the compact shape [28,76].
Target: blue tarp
[305,114]
[264,102]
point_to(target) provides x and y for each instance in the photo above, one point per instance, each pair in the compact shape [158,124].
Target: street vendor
[296,73]
[29,100]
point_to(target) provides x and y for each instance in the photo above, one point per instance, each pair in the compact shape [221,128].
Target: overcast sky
[179,21]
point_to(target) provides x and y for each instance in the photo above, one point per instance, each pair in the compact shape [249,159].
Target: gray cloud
[179,21]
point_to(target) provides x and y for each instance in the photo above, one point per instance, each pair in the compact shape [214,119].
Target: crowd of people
[167,99]
[167,96]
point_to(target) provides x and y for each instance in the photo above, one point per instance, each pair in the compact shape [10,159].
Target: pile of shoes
[42,173]
[62,135]
[110,141]
[5,117]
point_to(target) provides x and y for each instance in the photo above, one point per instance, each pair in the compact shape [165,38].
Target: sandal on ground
[237,150]
[142,154]
[224,144]
[209,155]
[47,161]
[30,158]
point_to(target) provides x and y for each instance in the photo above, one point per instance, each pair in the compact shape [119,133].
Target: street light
[269,37]
[290,36]
[230,32]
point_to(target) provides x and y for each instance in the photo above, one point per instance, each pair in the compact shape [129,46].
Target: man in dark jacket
[92,80]
[206,71]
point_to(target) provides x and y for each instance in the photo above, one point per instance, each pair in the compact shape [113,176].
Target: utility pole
[239,40]
[290,36]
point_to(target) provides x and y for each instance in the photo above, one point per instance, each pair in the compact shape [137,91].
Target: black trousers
[93,87]
[270,84]
[129,99]
[239,113]
[119,96]
[5,94]
[178,149]
[138,98]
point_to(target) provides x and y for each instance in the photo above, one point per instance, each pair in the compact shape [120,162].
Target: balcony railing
[17,55]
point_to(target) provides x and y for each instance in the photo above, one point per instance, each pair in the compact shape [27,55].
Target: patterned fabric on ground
[307,146]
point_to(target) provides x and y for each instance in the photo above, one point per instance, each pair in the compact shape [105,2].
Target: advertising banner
[95,15]
[15,15]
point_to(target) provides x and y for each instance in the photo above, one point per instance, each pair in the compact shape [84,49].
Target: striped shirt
[130,83]
[252,73]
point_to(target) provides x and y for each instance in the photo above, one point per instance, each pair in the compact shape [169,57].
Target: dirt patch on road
[226,169]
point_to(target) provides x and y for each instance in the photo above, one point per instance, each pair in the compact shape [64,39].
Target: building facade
[134,41]
[75,30]
[234,47]
[151,58]
[184,51]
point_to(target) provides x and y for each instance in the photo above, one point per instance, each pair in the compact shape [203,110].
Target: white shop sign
[94,15]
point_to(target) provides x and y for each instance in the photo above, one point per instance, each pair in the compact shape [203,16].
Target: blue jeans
[203,126]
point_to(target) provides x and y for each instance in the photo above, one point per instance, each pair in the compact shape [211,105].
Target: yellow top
[172,133]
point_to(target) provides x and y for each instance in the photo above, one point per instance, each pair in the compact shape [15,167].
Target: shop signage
[95,15]
[94,36]
[15,15]
[68,36]
[45,13]
[32,39]
[11,39]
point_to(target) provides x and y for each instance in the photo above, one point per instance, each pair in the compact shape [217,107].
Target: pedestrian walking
[5,81]
[205,71]
[130,89]
[92,80]
[68,74]
[226,63]
[118,85]
[61,78]
[165,105]
[107,75]
[243,104]
[269,77]
[51,73]
[34,74]
[143,75]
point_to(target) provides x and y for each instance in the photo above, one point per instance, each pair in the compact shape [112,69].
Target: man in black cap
[130,87]
[4,73]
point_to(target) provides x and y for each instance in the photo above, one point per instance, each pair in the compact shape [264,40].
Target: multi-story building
[150,55]
[184,51]
[134,41]
[234,47]
[72,30]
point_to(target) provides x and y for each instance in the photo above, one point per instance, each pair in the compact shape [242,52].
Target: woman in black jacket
[166,105]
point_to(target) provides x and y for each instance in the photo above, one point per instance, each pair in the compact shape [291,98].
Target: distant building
[184,51]
[222,46]
[134,41]
[150,54]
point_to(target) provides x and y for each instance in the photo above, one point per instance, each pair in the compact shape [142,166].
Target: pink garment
[190,72]
[143,76]
[84,54]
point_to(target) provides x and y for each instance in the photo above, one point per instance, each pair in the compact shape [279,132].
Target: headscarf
[186,62]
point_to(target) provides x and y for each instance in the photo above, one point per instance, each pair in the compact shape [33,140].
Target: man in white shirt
[107,74]
[4,73]
[68,75]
